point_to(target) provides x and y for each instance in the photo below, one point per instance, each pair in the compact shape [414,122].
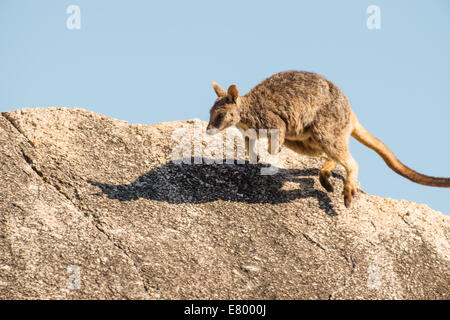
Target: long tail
[367,139]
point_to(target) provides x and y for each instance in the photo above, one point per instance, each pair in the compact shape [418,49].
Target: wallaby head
[225,111]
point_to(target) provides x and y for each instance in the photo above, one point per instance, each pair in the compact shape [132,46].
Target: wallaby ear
[219,91]
[233,92]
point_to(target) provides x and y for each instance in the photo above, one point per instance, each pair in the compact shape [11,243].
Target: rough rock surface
[84,195]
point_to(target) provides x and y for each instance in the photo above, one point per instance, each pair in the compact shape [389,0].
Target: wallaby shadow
[200,183]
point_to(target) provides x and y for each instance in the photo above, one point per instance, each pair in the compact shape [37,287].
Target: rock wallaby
[313,117]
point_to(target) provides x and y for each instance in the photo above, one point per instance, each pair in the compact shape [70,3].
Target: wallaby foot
[342,155]
[325,174]
[349,193]
[325,182]
[351,166]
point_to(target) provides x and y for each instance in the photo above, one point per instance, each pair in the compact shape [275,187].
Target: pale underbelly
[307,147]
[299,137]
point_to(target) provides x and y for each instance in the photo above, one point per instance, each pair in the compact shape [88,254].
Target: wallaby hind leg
[312,150]
[302,147]
[351,167]
[325,174]
[339,152]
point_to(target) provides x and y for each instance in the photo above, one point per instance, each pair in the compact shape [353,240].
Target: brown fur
[313,117]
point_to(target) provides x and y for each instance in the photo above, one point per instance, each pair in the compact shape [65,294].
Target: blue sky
[148,62]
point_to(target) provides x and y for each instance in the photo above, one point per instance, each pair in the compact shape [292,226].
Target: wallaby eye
[220,116]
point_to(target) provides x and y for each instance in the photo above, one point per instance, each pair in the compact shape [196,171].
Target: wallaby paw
[349,193]
[325,182]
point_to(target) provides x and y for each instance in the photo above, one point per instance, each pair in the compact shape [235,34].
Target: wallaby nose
[210,130]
